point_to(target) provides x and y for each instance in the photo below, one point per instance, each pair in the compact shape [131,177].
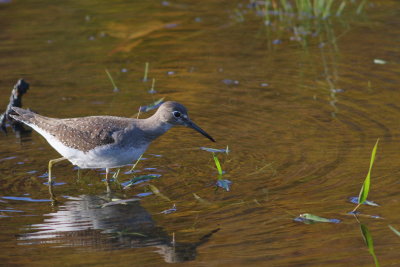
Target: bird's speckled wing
[89,132]
[83,133]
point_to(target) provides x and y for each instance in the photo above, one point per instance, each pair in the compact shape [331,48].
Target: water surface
[300,122]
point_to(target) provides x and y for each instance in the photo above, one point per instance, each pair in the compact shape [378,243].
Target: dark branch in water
[20,88]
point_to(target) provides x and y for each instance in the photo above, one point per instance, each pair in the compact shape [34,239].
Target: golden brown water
[300,123]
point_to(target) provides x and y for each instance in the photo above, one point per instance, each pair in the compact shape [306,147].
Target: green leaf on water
[394,230]
[214,150]
[218,164]
[369,242]
[311,218]
[367,182]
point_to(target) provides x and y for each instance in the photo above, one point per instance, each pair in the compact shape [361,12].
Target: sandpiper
[105,141]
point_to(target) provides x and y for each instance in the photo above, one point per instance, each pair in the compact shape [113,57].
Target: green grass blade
[341,8]
[111,79]
[360,7]
[327,9]
[394,230]
[218,164]
[367,182]
[136,163]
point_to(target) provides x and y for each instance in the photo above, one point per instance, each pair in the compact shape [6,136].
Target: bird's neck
[154,127]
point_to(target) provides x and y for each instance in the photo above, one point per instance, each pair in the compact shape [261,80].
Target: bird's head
[176,114]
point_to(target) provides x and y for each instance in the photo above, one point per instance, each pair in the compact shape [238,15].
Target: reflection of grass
[369,242]
[146,71]
[304,18]
[306,9]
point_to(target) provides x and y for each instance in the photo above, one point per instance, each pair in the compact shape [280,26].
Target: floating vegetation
[308,218]
[225,184]
[140,179]
[354,200]
[115,89]
[152,106]
[146,71]
[117,201]
[394,230]
[214,150]
[367,182]
[171,210]
[379,61]
[369,242]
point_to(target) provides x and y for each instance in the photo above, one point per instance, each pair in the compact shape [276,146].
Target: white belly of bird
[107,156]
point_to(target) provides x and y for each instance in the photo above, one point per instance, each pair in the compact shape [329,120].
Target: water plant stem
[362,197]
[112,80]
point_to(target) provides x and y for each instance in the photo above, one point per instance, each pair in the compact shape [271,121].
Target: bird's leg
[51,162]
[108,181]
[107,172]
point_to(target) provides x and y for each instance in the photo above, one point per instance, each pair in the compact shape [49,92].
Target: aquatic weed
[367,182]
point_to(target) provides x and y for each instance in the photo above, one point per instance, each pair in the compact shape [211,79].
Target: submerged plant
[369,242]
[362,197]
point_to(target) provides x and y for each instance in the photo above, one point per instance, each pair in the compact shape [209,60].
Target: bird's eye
[176,114]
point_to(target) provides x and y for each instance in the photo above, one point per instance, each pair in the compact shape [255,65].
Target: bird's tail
[23,115]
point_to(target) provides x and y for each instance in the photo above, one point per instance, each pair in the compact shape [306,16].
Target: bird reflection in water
[96,222]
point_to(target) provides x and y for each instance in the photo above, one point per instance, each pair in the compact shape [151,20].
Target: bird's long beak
[192,125]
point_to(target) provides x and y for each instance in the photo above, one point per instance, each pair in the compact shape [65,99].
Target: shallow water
[300,123]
